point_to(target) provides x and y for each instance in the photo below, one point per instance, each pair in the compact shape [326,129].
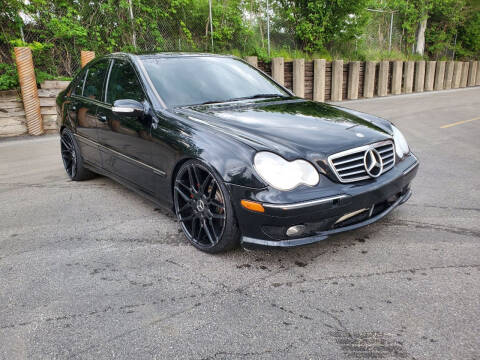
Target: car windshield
[196,80]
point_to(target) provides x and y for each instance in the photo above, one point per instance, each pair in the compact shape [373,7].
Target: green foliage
[57,30]
[444,20]
[317,24]
[8,76]
[469,37]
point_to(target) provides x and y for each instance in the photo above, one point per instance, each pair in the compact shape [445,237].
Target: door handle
[102,118]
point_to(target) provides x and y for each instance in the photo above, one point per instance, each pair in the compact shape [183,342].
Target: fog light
[295,230]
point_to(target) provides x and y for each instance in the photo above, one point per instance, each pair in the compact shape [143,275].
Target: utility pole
[268,28]
[455,47]
[21,27]
[211,22]
[391,30]
[134,36]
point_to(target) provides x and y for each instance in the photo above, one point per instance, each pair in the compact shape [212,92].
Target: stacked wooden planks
[47,94]
[12,114]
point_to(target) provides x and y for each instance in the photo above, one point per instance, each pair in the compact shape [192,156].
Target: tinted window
[93,88]
[78,87]
[123,83]
[194,80]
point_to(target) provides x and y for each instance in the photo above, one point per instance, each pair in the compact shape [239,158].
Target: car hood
[292,128]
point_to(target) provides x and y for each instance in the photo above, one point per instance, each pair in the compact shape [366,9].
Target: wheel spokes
[65,143]
[182,194]
[197,178]
[205,226]
[199,205]
[205,183]
[217,204]
[218,216]
[68,154]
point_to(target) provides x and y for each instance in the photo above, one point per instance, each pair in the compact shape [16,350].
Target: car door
[126,140]
[86,96]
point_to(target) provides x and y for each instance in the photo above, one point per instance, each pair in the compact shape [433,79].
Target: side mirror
[128,107]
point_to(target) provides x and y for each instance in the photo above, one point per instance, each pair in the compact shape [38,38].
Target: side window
[78,87]
[123,83]
[93,88]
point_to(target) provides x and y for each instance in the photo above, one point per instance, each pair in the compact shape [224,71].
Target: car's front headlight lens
[282,174]
[401,145]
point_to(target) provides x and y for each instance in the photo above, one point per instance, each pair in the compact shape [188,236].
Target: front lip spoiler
[324,234]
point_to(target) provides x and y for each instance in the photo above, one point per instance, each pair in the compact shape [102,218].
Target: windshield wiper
[257,96]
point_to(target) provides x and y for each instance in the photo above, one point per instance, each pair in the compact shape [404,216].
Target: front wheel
[203,208]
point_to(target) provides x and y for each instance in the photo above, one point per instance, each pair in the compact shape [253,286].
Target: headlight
[282,174]
[401,145]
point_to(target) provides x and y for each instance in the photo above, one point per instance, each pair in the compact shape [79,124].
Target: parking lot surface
[90,270]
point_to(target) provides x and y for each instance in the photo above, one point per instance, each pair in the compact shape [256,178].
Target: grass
[346,53]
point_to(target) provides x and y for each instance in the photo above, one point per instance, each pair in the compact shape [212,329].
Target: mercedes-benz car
[236,156]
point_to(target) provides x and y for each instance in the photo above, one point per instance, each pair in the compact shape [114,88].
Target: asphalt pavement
[91,270]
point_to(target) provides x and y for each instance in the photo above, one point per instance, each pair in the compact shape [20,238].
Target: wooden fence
[318,80]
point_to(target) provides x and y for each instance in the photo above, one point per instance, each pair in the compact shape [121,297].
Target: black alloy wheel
[69,153]
[72,158]
[203,208]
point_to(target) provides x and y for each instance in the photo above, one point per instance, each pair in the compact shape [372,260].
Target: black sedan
[236,156]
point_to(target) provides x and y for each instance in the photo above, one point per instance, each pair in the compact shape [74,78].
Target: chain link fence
[58,30]
[384,31]
[57,33]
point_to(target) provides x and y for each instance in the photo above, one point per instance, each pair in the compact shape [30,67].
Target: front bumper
[321,216]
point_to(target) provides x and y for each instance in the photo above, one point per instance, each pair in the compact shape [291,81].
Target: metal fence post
[28,86]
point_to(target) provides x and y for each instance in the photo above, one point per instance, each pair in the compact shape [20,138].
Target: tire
[204,209]
[72,158]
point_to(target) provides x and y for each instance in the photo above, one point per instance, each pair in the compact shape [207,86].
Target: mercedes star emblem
[373,163]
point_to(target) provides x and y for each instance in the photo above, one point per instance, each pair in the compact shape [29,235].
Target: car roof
[166,55]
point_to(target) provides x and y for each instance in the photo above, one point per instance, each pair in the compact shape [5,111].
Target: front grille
[349,165]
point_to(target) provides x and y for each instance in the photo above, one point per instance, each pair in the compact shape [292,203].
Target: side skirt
[129,185]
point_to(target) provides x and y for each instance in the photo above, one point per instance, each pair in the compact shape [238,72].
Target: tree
[317,24]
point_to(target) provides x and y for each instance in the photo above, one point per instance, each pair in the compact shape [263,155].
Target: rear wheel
[72,158]
[203,208]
